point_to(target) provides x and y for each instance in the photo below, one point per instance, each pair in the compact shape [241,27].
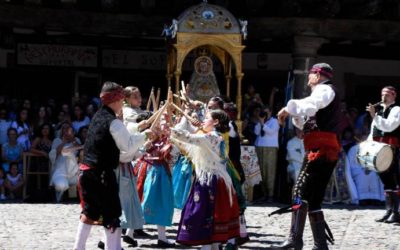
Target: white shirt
[386,124]
[270,138]
[321,96]
[127,143]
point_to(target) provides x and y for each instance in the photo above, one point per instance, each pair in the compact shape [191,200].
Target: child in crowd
[14,182]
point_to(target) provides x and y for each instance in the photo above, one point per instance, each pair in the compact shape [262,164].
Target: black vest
[326,119]
[100,150]
[379,133]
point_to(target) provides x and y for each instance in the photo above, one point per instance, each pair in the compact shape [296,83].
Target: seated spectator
[295,155]
[368,184]
[63,156]
[11,151]
[41,146]
[79,119]
[341,187]
[82,134]
[4,125]
[2,188]
[62,117]
[23,129]
[41,118]
[14,182]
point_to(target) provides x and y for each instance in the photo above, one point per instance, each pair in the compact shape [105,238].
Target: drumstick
[149,99]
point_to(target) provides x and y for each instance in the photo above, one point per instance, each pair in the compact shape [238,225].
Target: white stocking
[206,247]
[113,240]
[161,234]
[82,236]
[215,246]
[129,232]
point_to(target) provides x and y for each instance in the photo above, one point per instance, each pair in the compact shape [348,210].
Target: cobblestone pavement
[53,226]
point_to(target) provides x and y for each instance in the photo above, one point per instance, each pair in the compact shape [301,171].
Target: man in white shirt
[318,116]
[385,127]
[98,189]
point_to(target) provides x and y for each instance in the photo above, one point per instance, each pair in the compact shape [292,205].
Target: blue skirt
[181,181]
[158,200]
[132,214]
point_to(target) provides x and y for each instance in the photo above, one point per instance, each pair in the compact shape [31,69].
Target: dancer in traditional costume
[318,116]
[211,213]
[154,186]
[98,188]
[135,119]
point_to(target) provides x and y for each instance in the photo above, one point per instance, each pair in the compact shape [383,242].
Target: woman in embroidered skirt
[211,213]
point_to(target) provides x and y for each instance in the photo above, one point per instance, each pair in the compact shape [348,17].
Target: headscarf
[112,96]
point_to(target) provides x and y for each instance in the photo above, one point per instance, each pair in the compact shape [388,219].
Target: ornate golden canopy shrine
[212,28]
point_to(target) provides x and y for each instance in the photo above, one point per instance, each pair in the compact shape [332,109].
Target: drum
[375,156]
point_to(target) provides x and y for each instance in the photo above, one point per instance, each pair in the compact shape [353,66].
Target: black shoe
[242,240]
[231,246]
[394,218]
[139,233]
[131,242]
[100,245]
[163,244]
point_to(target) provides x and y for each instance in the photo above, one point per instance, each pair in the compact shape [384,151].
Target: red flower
[312,156]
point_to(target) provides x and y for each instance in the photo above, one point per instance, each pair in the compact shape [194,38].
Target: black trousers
[99,196]
[312,181]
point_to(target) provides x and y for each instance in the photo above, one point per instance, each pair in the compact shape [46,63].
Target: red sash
[321,144]
[391,140]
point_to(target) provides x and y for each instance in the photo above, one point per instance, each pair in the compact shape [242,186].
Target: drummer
[385,127]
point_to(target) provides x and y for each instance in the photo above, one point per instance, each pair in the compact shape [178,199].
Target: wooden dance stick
[190,119]
[153,116]
[161,111]
[180,98]
[153,101]
[149,99]
[183,87]
[158,97]
[183,95]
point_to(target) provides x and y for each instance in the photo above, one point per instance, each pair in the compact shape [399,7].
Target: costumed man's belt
[391,140]
[321,144]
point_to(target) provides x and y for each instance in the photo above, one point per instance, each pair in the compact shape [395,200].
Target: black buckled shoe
[242,240]
[163,244]
[139,233]
[131,242]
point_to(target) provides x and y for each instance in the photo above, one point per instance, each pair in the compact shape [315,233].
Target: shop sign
[128,59]
[56,55]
